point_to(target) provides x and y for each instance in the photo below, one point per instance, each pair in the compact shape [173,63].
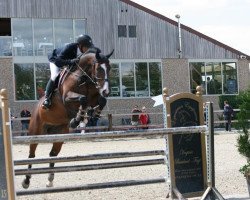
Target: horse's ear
[107,56]
[97,55]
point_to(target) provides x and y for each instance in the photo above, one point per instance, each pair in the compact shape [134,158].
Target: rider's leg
[48,94]
[50,85]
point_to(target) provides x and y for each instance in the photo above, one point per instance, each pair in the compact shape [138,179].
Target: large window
[141,74]
[79,27]
[22,37]
[155,78]
[5,37]
[128,80]
[5,46]
[30,80]
[63,32]
[215,77]
[42,75]
[43,36]
[24,81]
[135,79]
[37,37]
[114,80]
[230,78]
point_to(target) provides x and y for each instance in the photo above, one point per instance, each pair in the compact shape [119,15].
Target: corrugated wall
[156,38]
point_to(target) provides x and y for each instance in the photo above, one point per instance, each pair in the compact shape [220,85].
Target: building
[151,51]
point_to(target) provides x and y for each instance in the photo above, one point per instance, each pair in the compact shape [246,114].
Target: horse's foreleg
[81,113]
[26,181]
[101,104]
[54,152]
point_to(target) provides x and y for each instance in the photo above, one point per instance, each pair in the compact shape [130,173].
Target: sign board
[187,151]
[3,177]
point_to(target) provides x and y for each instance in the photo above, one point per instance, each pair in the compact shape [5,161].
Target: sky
[227,21]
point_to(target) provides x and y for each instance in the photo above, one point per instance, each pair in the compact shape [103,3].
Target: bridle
[94,79]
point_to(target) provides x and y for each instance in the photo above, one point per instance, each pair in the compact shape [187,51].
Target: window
[132,31]
[5,37]
[141,74]
[230,78]
[155,78]
[42,74]
[5,27]
[22,37]
[43,36]
[5,46]
[79,27]
[31,78]
[139,79]
[63,29]
[24,81]
[114,80]
[197,76]
[128,82]
[215,77]
[122,31]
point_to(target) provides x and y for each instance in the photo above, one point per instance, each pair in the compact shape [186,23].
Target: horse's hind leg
[26,181]
[54,152]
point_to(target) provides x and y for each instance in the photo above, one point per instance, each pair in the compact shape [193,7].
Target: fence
[152,133]
[125,121]
[145,133]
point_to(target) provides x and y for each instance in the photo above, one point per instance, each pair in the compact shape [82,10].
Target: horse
[82,87]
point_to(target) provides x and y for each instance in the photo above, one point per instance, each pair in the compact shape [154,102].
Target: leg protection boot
[49,90]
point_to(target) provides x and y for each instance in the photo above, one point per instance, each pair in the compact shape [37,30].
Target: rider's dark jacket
[63,56]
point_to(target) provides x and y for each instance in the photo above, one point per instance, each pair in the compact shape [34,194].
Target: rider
[69,55]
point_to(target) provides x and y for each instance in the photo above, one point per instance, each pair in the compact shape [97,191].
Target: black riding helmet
[85,41]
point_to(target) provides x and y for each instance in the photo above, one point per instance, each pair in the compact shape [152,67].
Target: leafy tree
[243,117]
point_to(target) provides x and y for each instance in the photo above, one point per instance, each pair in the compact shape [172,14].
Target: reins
[85,74]
[94,79]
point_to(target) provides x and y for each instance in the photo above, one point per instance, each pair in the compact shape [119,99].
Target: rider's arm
[65,56]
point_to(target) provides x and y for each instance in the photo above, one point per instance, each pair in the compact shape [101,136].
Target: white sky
[227,21]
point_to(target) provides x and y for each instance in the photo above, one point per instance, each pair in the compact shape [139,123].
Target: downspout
[179,36]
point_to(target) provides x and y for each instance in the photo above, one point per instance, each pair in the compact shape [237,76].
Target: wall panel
[156,36]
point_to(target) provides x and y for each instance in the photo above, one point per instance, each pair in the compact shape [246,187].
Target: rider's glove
[74,61]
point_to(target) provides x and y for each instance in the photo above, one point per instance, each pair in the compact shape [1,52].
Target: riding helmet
[84,40]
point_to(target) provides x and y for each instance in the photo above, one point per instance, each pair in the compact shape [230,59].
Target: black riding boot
[48,93]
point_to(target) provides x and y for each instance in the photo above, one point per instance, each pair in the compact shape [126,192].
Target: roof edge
[164,18]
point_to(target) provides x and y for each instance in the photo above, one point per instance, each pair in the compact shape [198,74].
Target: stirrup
[46,104]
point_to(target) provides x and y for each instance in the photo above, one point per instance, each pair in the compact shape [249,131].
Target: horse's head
[97,68]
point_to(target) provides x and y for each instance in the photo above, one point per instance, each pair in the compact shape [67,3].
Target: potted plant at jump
[243,140]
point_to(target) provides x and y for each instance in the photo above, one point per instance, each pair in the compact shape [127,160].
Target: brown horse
[79,89]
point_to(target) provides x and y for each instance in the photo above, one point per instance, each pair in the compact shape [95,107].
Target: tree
[243,117]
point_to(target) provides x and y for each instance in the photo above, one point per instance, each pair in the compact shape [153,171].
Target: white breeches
[54,70]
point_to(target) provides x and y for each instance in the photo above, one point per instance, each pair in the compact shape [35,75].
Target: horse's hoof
[25,185]
[49,184]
